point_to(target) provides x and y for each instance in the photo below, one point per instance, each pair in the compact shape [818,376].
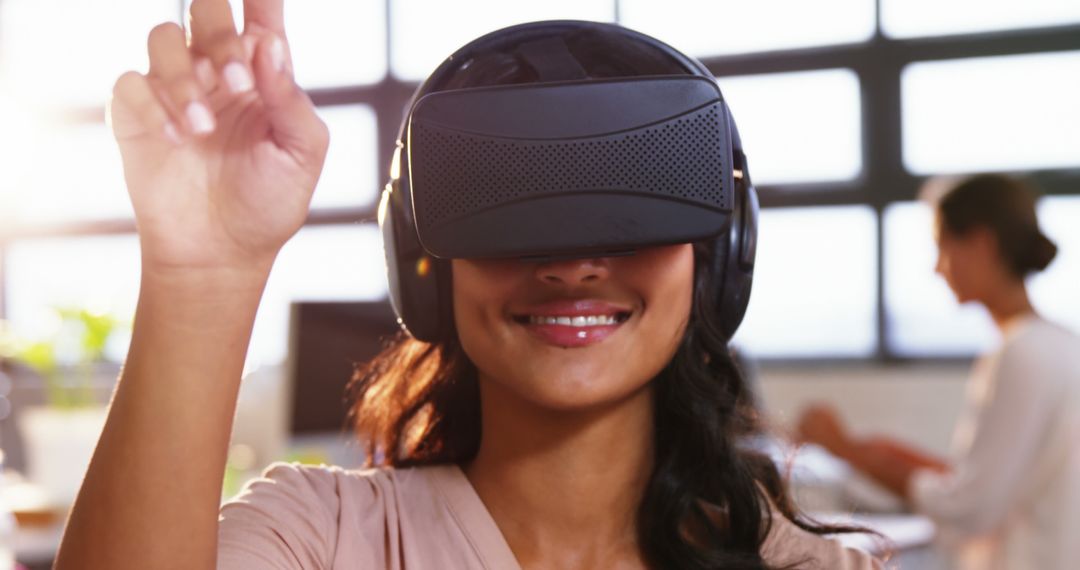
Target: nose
[573,271]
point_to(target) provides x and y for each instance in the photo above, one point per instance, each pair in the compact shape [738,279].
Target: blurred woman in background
[1010,498]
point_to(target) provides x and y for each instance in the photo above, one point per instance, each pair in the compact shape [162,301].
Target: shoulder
[330,486]
[1039,351]
[1037,335]
[788,544]
[302,512]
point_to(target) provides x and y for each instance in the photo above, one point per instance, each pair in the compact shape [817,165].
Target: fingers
[135,111]
[213,36]
[268,15]
[173,99]
[296,127]
[173,72]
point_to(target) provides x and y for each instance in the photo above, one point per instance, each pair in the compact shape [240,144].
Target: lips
[573,323]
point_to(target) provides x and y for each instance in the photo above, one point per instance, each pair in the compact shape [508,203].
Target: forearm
[888,461]
[150,497]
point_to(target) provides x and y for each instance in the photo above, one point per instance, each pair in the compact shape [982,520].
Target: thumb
[296,128]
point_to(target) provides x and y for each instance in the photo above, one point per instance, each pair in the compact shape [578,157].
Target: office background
[846,107]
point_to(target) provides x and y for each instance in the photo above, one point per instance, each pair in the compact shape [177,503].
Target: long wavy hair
[710,499]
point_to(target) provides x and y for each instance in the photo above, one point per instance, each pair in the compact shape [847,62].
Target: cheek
[668,304]
[476,292]
[494,343]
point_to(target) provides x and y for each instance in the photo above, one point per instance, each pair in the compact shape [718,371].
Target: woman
[606,441]
[1010,498]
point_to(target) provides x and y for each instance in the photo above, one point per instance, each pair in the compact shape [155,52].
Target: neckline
[1018,324]
[474,519]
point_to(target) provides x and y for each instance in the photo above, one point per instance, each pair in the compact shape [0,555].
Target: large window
[992,113]
[706,28]
[814,284]
[909,18]
[798,127]
[842,120]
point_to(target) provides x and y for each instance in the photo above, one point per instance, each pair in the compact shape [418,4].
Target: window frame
[877,63]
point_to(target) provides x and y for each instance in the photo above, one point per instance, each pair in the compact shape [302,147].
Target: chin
[575,390]
[964,296]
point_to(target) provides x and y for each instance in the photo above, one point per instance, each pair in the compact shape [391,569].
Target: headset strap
[551,59]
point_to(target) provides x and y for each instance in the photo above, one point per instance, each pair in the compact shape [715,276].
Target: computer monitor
[327,341]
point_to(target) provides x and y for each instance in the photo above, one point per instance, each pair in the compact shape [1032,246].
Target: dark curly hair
[710,500]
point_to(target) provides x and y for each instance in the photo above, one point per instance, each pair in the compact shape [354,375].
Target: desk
[907,543]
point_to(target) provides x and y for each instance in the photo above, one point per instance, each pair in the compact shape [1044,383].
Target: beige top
[1012,500]
[329,518]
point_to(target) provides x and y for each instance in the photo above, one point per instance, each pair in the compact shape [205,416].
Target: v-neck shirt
[302,517]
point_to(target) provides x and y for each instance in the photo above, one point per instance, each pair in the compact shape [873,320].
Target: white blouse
[1012,500]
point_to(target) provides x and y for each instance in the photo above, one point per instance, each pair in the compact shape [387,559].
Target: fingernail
[204,70]
[201,119]
[238,78]
[172,134]
[277,55]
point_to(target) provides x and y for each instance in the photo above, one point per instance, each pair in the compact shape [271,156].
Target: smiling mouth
[575,321]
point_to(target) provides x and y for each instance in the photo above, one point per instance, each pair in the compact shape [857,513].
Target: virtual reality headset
[570,168]
[558,162]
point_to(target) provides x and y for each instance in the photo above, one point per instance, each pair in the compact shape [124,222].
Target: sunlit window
[908,18]
[996,113]
[102,274]
[70,52]
[63,174]
[425,32]
[99,273]
[348,178]
[337,43]
[814,284]
[716,27]
[798,127]
[321,263]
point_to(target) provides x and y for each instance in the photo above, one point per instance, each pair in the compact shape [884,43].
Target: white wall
[918,403]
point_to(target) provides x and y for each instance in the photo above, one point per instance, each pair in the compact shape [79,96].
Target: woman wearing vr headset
[1009,499]
[567,400]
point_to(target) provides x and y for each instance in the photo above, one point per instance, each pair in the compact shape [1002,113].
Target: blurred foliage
[66,360]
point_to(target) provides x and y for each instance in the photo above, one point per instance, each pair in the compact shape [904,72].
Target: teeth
[579,321]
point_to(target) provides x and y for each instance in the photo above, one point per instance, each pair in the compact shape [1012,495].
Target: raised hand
[221,149]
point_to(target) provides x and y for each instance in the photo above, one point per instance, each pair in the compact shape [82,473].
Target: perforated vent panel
[454,173]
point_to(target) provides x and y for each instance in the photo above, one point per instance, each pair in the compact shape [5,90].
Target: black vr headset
[564,167]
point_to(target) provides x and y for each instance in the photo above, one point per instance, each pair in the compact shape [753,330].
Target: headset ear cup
[735,255]
[414,279]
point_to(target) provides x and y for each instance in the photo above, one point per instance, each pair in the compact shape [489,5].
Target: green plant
[66,364]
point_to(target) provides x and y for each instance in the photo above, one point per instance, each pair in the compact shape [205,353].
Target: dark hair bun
[1040,254]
